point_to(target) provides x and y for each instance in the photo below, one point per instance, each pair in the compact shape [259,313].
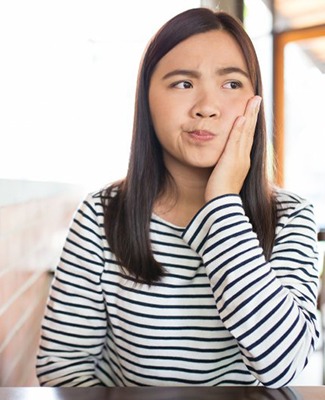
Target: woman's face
[196,92]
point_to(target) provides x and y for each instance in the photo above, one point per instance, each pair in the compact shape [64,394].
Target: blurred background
[67,84]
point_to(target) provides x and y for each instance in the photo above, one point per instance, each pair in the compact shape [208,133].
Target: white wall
[67,81]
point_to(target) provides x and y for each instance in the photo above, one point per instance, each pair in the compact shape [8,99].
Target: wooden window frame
[281,39]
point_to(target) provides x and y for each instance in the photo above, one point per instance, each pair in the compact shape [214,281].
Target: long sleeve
[268,307]
[75,322]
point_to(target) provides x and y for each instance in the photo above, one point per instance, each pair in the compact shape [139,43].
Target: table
[165,393]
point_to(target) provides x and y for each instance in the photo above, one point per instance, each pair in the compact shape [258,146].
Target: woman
[192,270]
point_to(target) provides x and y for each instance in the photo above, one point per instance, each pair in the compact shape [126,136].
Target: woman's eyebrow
[185,72]
[195,74]
[231,70]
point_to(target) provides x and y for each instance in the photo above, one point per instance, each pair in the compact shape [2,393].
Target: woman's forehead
[216,47]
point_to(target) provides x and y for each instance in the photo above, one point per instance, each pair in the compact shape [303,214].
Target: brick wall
[31,237]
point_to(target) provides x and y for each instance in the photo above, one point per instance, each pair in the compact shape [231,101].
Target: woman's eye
[233,85]
[182,85]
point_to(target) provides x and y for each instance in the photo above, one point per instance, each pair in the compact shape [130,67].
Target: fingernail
[257,101]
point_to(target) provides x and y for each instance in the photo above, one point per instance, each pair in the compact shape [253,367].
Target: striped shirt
[221,315]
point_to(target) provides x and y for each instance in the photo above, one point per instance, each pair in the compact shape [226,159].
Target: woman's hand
[232,168]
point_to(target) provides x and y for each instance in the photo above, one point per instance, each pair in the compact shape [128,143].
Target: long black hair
[128,203]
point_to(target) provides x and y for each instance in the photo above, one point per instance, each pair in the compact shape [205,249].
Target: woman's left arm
[268,307]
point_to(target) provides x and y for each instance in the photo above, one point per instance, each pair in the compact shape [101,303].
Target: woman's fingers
[251,113]
[241,137]
[232,168]
[244,126]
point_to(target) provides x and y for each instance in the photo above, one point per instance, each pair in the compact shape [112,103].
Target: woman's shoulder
[91,206]
[98,198]
[284,196]
[289,202]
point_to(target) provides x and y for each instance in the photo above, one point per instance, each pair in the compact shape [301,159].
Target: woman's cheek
[237,109]
[231,120]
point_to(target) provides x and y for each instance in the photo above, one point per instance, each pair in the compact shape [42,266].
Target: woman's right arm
[75,321]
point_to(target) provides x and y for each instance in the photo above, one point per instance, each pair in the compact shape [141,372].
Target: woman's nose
[206,106]
[204,114]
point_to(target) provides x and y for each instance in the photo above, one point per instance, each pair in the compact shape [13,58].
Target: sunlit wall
[67,81]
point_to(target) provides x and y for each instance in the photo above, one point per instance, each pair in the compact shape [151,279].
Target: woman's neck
[183,199]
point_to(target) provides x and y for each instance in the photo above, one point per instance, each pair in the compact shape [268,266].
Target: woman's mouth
[201,135]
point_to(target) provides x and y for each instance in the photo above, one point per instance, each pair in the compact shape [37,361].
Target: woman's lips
[201,136]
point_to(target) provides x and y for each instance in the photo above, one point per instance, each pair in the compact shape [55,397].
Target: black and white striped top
[222,315]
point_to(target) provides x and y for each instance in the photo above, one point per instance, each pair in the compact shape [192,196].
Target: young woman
[192,270]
